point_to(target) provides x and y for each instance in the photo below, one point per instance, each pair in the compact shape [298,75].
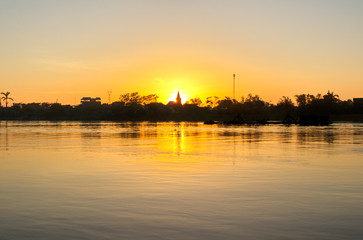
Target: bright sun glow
[184,97]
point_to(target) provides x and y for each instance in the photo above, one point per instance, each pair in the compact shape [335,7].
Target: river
[108,180]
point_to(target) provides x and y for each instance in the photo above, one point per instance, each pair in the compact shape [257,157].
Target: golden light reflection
[179,142]
[178,138]
[173,141]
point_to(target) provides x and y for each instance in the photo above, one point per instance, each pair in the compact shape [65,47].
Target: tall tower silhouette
[234,86]
[178,99]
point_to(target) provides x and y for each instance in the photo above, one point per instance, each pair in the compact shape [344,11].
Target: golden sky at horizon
[65,50]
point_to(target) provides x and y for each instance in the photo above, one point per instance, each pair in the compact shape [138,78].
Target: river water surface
[91,180]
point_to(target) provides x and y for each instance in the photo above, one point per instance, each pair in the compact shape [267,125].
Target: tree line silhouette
[309,110]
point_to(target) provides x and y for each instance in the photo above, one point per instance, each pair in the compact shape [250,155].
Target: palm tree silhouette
[330,97]
[6,98]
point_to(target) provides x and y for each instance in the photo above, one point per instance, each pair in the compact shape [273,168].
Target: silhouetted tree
[254,106]
[329,103]
[287,108]
[136,99]
[303,100]
[312,110]
[310,104]
[331,98]
[151,98]
[196,101]
[212,102]
[253,99]
[285,101]
[6,98]
[254,102]
[226,103]
[130,98]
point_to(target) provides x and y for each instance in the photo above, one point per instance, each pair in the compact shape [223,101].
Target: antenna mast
[234,86]
[109,92]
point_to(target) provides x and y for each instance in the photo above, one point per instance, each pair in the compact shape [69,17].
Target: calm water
[76,180]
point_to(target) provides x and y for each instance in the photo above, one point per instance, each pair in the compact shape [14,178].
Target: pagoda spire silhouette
[178,99]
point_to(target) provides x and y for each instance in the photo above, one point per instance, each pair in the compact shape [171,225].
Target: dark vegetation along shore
[309,110]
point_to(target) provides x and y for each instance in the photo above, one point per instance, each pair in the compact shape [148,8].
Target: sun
[183,96]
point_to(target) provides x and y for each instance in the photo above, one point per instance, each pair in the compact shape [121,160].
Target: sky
[61,51]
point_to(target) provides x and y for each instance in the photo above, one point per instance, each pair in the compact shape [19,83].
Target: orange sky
[62,51]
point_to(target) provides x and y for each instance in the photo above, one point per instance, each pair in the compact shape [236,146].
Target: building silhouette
[358,101]
[91,101]
[178,99]
[177,102]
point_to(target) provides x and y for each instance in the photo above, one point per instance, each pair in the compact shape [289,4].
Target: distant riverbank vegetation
[308,109]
